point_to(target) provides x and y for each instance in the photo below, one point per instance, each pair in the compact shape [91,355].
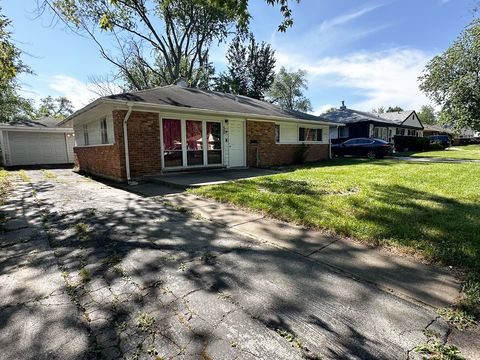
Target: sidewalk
[431,285]
[434,160]
[37,318]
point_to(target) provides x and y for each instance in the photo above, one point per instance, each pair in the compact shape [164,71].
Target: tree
[157,42]
[427,115]
[12,105]
[452,79]
[250,69]
[380,110]
[287,90]
[394,109]
[58,108]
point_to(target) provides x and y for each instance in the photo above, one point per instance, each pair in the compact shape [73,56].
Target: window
[172,142]
[194,142]
[277,133]
[343,132]
[214,143]
[309,134]
[103,131]
[85,135]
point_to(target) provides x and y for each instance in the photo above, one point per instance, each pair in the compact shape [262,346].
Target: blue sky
[368,53]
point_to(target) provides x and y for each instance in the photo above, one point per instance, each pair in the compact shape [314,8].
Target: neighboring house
[429,130]
[174,128]
[364,124]
[468,134]
[36,142]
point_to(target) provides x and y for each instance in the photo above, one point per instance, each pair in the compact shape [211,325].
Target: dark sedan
[369,147]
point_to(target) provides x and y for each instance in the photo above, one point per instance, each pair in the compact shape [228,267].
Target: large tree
[250,69]
[150,42]
[159,41]
[59,107]
[427,115]
[12,105]
[287,90]
[452,79]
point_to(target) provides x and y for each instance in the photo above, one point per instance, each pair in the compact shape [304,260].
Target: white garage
[38,142]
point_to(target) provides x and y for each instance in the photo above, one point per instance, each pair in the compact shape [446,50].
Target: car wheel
[371,154]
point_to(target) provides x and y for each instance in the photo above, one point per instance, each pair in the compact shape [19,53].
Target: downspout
[125,142]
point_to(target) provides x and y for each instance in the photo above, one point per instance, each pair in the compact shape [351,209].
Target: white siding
[412,120]
[94,132]
[289,132]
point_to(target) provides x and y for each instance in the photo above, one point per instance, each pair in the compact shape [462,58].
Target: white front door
[236,143]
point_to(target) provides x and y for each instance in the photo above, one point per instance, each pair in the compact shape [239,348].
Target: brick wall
[263,151]
[105,161]
[143,145]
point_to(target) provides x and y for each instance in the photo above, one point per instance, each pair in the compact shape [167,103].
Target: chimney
[343,107]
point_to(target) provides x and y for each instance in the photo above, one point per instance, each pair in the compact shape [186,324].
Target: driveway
[127,276]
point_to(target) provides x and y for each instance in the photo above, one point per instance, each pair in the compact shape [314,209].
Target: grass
[23,175]
[431,209]
[468,152]
[4,185]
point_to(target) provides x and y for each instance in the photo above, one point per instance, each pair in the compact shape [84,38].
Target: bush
[411,143]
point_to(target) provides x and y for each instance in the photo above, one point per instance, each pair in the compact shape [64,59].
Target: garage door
[33,148]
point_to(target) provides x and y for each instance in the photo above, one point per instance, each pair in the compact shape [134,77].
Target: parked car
[369,147]
[443,141]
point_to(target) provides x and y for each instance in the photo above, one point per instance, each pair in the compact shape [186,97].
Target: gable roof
[184,97]
[45,122]
[350,116]
[398,117]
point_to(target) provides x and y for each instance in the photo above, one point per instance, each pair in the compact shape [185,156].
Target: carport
[39,142]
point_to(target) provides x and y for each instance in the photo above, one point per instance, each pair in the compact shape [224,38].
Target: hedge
[411,143]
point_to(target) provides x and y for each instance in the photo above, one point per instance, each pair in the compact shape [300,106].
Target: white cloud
[346,18]
[78,92]
[322,108]
[382,78]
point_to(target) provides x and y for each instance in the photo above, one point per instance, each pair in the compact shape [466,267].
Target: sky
[366,53]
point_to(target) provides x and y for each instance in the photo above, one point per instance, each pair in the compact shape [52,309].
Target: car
[369,147]
[443,141]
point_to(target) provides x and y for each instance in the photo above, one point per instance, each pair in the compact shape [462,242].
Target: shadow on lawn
[127,260]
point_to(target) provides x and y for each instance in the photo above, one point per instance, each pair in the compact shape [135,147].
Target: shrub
[411,143]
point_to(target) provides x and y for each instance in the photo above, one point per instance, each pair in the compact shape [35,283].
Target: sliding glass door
[191,143]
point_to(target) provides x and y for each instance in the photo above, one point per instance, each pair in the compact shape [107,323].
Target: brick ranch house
[173,128]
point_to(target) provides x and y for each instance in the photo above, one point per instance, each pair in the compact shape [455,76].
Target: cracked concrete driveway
[90,271]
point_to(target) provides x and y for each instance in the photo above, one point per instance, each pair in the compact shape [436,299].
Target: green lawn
[468,152]
[427,207]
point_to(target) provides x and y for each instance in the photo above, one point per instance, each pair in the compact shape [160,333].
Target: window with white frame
[103,131]
[309,134]
[85,135]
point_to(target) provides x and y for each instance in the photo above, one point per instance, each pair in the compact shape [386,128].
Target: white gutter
[125,142]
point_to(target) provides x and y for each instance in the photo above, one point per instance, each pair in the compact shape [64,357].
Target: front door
[236,144]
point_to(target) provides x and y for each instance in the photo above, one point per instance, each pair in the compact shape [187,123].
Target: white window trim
[325,131]
[183,128]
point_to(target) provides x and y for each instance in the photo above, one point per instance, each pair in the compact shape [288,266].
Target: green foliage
[394,109]
[59,107]
[433,349]
[427,115]
[452,79]
[287,90]
[11,65]
[250,70]
[380,110]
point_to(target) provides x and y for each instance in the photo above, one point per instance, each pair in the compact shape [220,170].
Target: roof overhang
[187,110]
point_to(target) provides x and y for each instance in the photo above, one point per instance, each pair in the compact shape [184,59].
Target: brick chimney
[343,107]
